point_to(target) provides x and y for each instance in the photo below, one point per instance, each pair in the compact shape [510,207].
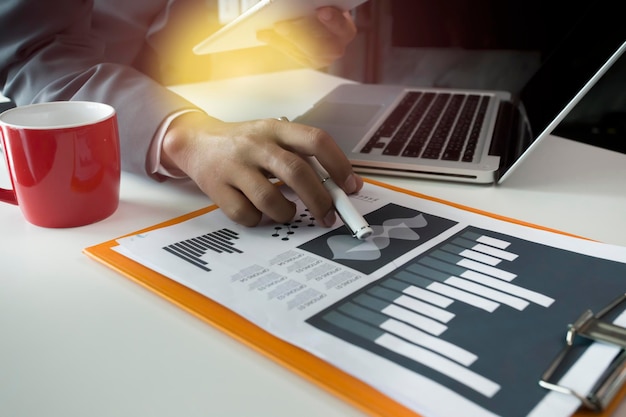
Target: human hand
[233,162]
[313,41]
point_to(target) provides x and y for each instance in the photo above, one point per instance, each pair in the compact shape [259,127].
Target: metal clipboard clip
[592,328]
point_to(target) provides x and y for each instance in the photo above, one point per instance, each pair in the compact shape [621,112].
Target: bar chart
[192,250]
[482,313]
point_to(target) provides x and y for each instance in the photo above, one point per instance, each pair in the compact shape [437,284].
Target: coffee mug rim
[111,112]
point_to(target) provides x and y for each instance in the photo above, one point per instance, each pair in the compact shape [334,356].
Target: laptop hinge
[510,138]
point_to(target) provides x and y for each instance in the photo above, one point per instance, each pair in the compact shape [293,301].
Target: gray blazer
[120,52]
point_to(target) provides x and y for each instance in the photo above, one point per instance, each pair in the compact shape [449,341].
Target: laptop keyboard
[432,125]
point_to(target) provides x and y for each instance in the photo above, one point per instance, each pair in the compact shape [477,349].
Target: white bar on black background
[440,364]
[447,349]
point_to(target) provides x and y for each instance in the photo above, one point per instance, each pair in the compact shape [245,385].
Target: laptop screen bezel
[585,53]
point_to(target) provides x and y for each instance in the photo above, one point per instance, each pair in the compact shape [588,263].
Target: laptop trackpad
[342,114]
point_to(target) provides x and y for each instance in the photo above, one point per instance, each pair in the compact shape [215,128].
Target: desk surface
[78,339]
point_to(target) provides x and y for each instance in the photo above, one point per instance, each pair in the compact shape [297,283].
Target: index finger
[313,142]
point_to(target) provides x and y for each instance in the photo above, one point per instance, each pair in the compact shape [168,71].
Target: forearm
[58,58]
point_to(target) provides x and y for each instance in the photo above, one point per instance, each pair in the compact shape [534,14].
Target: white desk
[78,339]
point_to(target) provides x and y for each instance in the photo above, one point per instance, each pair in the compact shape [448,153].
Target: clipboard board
[303,363]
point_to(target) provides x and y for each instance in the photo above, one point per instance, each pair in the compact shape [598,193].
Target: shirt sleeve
[56,50]
[154,155]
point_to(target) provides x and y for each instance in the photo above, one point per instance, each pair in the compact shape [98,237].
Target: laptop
[475,136]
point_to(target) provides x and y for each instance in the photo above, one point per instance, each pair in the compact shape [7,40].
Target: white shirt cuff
[154,153]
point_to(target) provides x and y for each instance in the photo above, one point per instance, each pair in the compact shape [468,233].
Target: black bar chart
[192,250]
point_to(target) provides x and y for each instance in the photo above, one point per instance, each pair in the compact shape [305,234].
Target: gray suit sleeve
[48,51]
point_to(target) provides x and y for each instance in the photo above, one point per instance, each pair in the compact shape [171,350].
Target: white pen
[353,220]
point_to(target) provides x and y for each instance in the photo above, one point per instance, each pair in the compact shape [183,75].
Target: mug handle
[6,196]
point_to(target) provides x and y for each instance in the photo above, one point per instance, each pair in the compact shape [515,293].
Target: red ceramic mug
[63,161]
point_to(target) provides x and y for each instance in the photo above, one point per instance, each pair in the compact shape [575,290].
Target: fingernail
[263,36]
[330,218]
[325,15]
[282,30]
[350,184]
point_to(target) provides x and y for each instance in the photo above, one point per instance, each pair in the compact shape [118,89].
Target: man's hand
[233,163]
[313,41]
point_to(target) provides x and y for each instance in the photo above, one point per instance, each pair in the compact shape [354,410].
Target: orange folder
[336,381]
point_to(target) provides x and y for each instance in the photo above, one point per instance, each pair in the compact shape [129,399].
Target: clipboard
[592,327]
[303,363]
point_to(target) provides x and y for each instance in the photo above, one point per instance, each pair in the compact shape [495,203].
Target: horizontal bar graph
[406,315]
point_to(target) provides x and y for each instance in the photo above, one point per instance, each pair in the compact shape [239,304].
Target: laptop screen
[594,38]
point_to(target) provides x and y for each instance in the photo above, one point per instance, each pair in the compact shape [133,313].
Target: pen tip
[364,233]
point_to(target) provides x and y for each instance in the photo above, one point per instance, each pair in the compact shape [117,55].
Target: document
[445,310]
